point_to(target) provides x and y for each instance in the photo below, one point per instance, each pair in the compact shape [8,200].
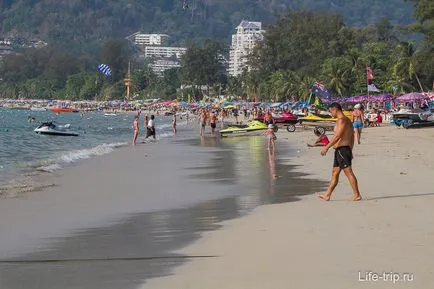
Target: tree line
[300,48]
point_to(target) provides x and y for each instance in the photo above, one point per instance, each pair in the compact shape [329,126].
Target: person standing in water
[151,128]
[145,121]
[136,129]
[174,124]
[213,122]
[343,143]
[358,117]
[202,120]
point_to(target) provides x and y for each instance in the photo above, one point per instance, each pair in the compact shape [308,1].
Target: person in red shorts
[321,141]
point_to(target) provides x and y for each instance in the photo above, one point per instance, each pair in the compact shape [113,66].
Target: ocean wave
[76,155]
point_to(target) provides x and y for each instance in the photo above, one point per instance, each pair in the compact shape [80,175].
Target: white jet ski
[50,128]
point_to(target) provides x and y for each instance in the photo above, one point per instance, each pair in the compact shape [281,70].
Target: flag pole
[367,81]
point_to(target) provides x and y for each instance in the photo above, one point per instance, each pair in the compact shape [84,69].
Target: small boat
[253,127]
[413,117]
[110,114]
[50,128]
[36,108]
[63,109]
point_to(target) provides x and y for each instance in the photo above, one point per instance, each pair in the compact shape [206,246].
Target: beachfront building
[160,65]
[164,52]
[143,39]
[247,36]
[151,39]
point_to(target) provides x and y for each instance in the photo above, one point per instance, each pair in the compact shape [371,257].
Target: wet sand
[146,201]
[314,244]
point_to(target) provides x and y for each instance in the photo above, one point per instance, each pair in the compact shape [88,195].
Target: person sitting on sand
[321,141]
[271,137]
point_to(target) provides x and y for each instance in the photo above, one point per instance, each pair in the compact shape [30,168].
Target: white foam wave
[73,156]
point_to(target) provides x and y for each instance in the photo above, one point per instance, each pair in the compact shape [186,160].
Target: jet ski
[252,127]
[413,117]
[50,128]
[283,117]
[323,117]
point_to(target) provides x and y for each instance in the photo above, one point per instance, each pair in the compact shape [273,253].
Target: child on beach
[322,139]
[271,137]
[174,124]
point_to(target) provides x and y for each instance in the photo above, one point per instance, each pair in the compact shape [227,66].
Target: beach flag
[319,89]
[370,78]
[316,102]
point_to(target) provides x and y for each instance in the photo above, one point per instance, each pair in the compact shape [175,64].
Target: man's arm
[339,131]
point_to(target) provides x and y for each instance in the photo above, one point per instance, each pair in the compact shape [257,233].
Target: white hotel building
[243,42]
[164,52]
[150,39]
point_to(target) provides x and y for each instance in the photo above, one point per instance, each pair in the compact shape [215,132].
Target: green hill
[84,21]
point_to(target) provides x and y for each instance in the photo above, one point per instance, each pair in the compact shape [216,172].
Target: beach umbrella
[412,96]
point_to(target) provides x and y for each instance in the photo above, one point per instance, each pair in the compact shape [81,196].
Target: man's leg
[354,184]
[332,185]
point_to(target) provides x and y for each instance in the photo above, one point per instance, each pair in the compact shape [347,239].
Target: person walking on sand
[213,122]
[136,129]
[271,138]
[342,142]
[174,124]
[145,121]
[151,128]
[358,118]
[202,120]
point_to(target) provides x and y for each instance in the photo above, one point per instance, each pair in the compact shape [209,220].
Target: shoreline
[312,243]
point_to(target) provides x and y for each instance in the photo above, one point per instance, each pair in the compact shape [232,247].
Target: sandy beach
[338,244]
[136,202]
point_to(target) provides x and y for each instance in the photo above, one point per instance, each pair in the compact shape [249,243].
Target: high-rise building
[247,36]
[150,39]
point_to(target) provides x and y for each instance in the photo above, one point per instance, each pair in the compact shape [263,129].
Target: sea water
[24,151]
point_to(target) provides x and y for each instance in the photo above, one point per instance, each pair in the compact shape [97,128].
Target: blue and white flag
[105,69]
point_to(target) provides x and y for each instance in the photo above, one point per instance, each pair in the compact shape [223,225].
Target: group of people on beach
[149,123]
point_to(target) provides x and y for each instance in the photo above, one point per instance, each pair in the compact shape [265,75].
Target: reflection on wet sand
[245,164]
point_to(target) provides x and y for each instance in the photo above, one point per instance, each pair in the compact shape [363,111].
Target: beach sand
[136,202]
[315,244]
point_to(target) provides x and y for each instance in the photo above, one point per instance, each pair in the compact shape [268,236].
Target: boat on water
[110,114]
[35,108]
[63,109]
[409,118]
[49,128]
[252,127]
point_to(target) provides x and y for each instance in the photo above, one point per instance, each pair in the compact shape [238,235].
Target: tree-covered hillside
[84,21]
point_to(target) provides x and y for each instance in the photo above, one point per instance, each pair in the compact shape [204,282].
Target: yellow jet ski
[313,117]
[252,127]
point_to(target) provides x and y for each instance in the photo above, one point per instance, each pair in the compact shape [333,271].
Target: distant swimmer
[213,122]
[151,128]
[31,119]
[343,143]
[174,123]
[136,129]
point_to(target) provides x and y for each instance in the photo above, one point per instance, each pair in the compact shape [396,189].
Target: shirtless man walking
[202,120]
[213,122]
[343,143]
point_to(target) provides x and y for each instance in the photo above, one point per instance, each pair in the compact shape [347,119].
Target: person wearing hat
[271,137]
[321,141]
[358,117]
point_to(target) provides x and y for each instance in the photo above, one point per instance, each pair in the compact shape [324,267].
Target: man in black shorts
[150,129]
[343,143]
